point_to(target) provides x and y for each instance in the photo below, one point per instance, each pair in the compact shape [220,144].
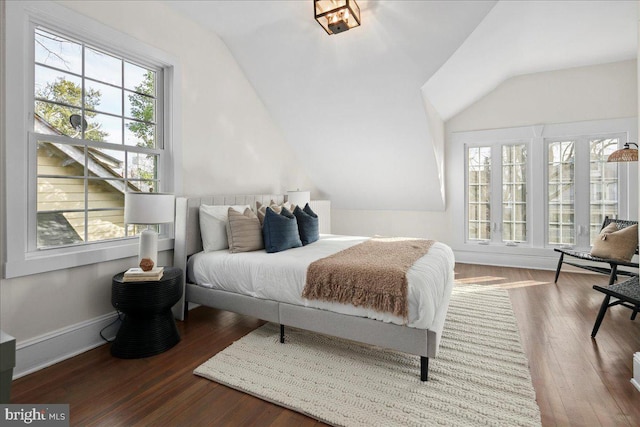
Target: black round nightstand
[148,327]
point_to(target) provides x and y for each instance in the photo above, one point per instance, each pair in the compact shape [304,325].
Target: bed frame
[421,342]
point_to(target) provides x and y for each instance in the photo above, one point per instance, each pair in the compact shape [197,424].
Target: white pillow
[213,226]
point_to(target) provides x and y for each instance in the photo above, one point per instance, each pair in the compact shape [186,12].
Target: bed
[268,286]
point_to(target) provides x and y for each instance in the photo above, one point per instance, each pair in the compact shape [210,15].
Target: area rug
[480,376]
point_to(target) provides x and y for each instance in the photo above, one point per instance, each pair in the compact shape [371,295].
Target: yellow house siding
[63,190]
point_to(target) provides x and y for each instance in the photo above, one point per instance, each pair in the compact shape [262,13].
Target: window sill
[58,259]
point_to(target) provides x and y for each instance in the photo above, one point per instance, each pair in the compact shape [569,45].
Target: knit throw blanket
[372,274]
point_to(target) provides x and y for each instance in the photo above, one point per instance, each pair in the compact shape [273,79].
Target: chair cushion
[612,243]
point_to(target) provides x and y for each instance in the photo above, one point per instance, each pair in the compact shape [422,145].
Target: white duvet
[281,277]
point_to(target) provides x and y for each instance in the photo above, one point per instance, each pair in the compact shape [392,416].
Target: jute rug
[480,376]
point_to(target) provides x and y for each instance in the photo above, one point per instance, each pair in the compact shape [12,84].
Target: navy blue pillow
[280,232]
[307,224]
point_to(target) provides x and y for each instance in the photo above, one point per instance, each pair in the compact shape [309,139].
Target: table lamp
[298,198]
[148,209]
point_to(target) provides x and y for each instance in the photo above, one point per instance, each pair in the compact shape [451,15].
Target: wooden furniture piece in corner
[626,293]
[148,327]
[612,271]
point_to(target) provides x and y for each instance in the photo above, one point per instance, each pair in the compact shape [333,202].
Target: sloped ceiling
[351,105]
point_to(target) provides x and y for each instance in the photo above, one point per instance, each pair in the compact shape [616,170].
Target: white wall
[229,145]
[596,92]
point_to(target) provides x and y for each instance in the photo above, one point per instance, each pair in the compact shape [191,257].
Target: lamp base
[148,246]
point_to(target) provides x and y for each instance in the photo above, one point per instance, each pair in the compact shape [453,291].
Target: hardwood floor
[578,381]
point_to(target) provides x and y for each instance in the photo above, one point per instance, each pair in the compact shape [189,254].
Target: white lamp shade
[298,198]
[149,208]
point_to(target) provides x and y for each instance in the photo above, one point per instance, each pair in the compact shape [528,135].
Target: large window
[91,117]
[96,134]
[603,183]
[514,193]
[560,193]
[479,192]
[542,186]
[583,156]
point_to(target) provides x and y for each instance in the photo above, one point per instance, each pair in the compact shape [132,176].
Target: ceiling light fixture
[625,154]
[337,16]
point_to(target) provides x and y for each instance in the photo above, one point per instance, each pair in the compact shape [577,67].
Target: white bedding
[281,277]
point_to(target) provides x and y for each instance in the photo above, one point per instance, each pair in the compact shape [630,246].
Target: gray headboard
[187,227]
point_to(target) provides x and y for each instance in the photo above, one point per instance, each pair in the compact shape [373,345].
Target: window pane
[60,159]
[105,193]
[58,86]
[106,164]
[560,193]
[57,229]
[139,134]
[104,128]
[55,119]
[58,52]
[603,183]
[479,192]
[514,192]
[105,224]
[142,166]
[507,213]
[101,97]
[102,67]
[60,194]
[140,107]
[139,79]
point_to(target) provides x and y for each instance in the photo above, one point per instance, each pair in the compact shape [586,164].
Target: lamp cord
[118,319]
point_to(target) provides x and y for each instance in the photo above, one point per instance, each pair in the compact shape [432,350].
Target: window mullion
[582,195]
[536,199]
[496,193]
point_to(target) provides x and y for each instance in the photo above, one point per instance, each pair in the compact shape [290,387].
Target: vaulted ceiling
[355,106]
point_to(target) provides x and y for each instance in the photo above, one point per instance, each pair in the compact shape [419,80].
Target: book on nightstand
[136,274]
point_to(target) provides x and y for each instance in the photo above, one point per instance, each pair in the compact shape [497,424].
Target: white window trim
[536,194]
[20,17]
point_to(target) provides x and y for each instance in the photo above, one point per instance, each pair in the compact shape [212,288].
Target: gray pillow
[243,231]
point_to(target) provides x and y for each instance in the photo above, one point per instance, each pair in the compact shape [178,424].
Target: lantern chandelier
[337,16]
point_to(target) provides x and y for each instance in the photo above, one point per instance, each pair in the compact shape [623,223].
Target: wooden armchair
[611,270]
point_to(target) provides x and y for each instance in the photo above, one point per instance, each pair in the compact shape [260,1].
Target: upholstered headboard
[187,227]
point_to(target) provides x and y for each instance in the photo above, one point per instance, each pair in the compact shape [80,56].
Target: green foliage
[66,92]
[143,109]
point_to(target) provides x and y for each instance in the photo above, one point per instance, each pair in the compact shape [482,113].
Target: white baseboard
[43,351]
[536,262]
[533,261]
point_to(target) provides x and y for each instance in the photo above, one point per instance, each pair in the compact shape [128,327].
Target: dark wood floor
[578,381]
